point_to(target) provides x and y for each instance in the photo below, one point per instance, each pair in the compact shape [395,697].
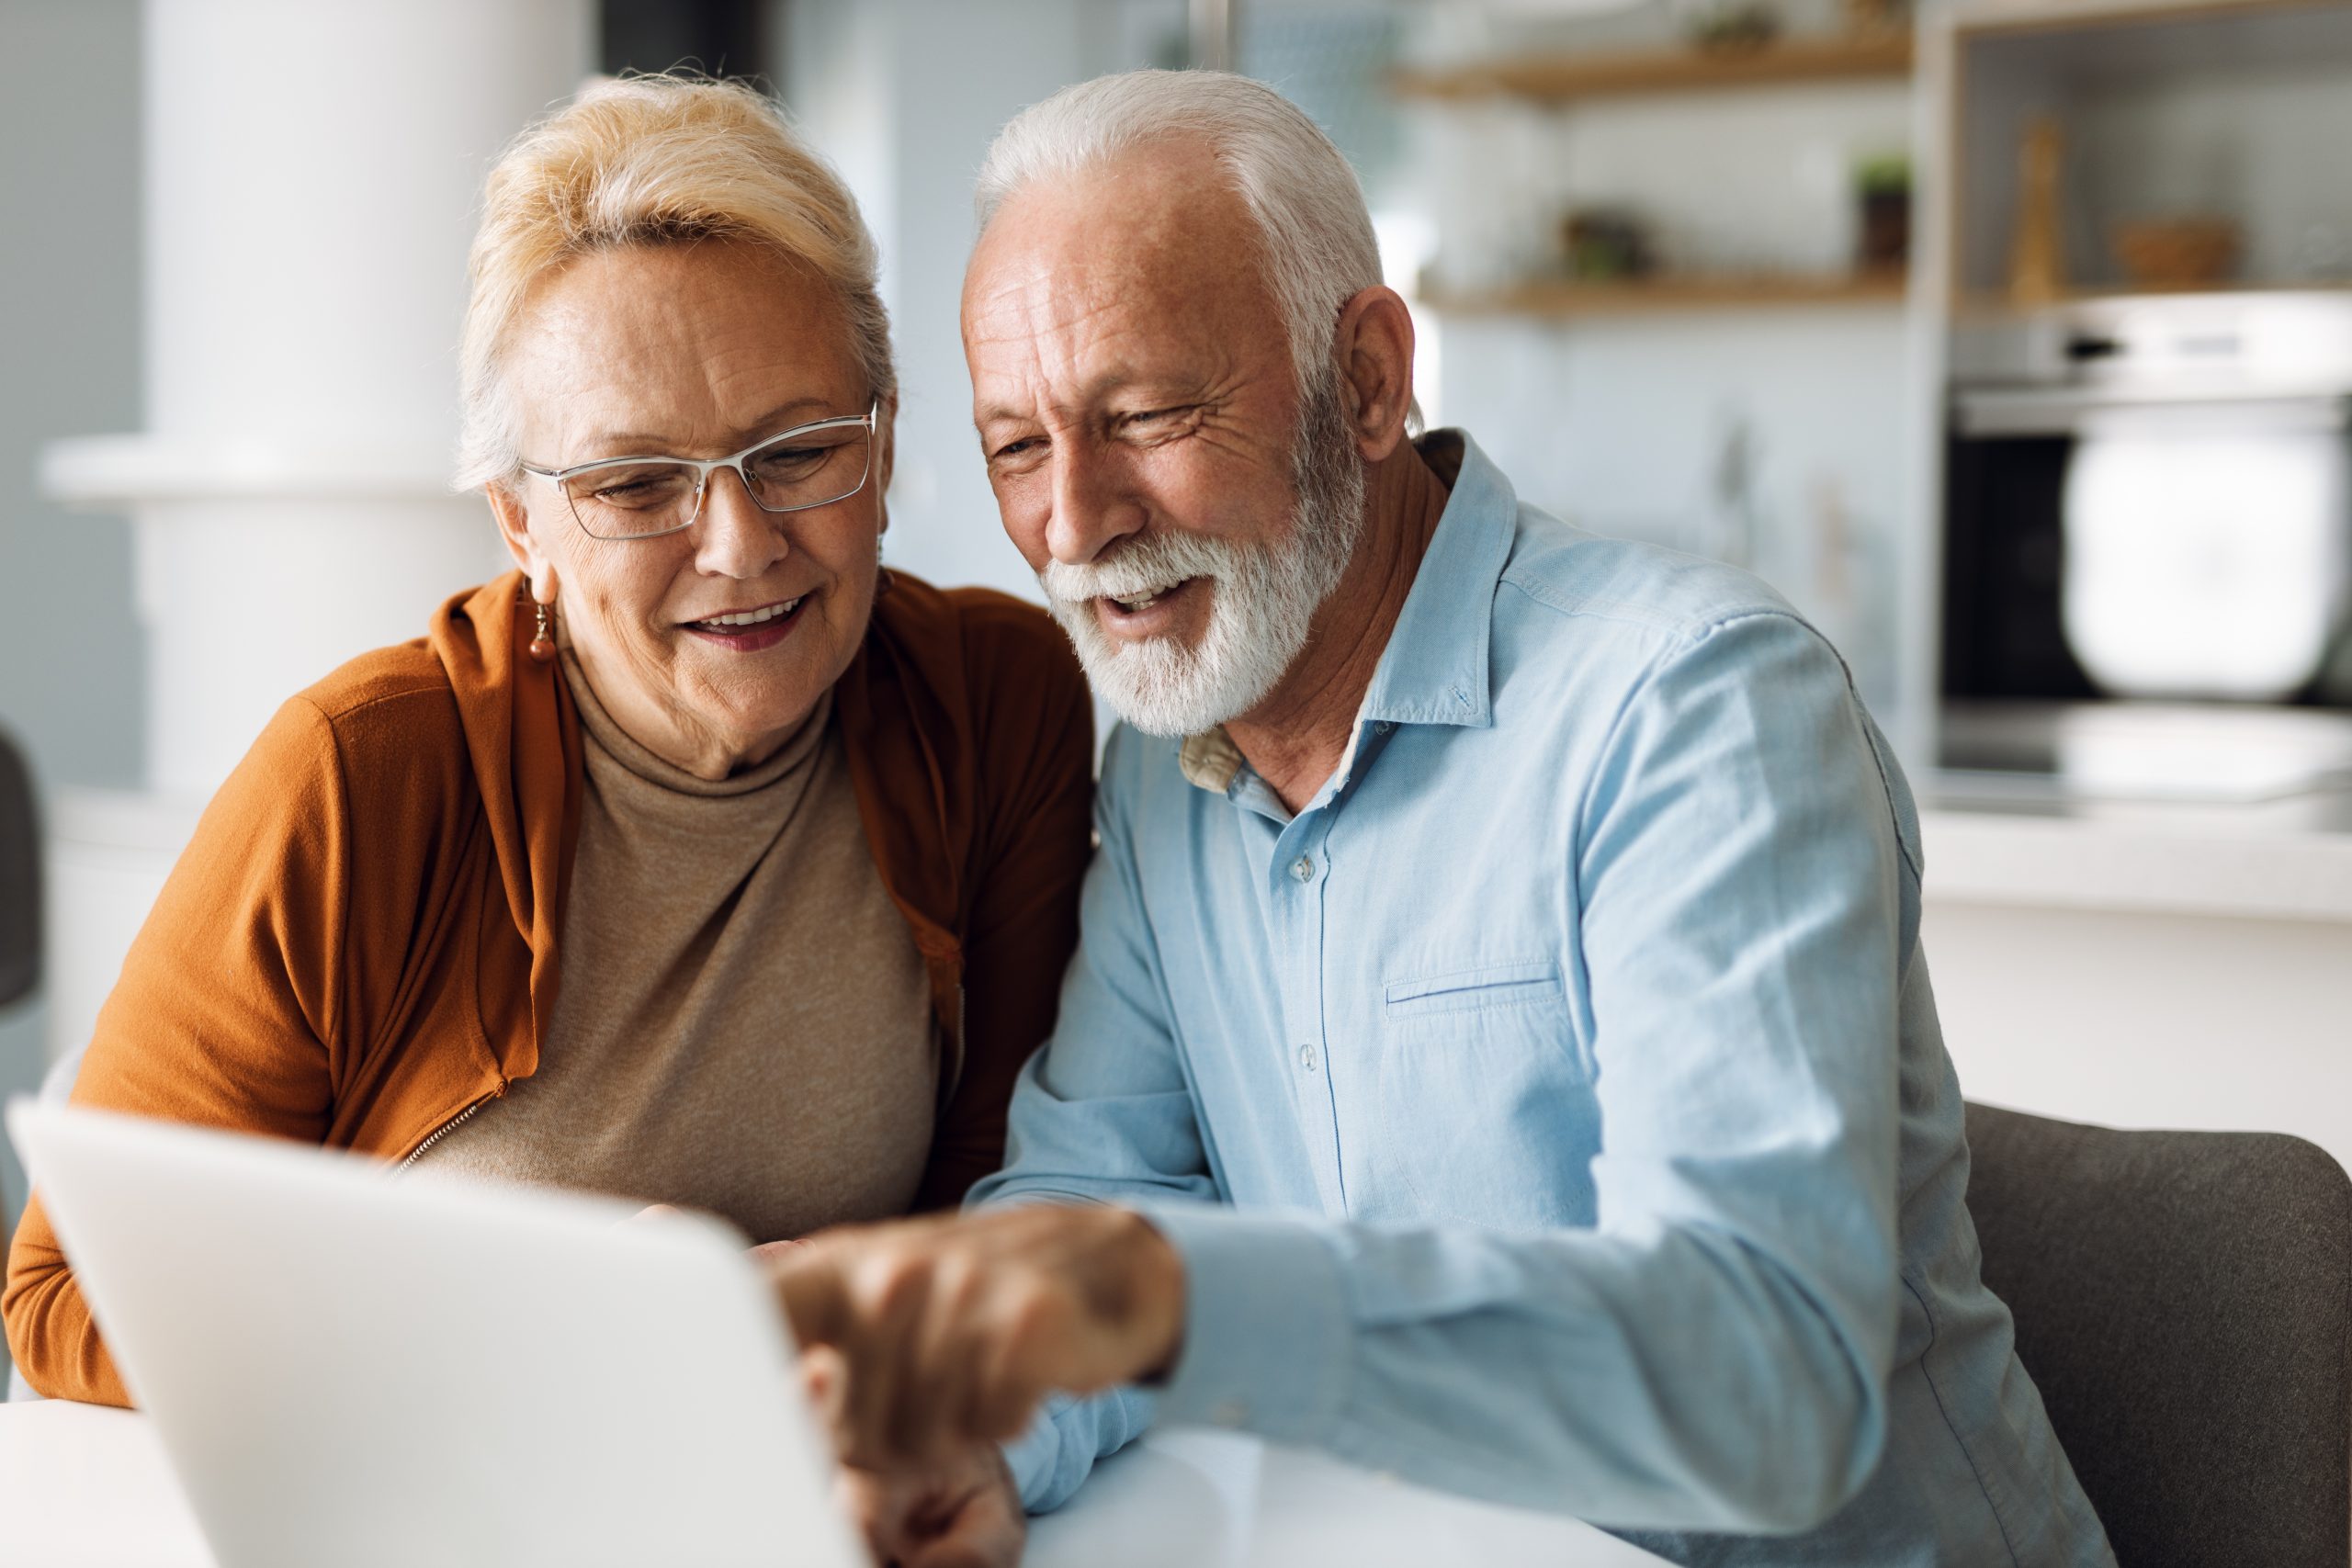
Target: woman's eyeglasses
[640,498]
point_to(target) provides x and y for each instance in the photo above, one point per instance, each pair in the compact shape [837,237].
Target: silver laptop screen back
[351,1367]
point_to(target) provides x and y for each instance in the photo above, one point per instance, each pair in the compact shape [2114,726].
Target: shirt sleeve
[1713,1353]
[1102,1114]
[224,1015]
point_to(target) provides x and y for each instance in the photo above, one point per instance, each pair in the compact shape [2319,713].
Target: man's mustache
[1144,563]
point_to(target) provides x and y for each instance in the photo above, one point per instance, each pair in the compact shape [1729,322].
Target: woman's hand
[963,1512]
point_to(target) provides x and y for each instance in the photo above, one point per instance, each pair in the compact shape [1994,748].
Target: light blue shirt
[1554,1110]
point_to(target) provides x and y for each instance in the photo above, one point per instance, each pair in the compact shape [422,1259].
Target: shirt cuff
[1054,1457]
[1031,1458]
[1267,1330]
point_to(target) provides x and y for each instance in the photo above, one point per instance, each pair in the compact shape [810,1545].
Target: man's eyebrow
[1119,379]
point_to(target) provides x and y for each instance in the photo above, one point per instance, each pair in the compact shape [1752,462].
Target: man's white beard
[1262,598]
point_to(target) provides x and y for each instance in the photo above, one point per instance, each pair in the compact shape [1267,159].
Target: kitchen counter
[2152,808]
[2158,935]
[2283,858]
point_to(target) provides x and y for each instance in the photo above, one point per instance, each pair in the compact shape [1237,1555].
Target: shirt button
[1306,1057]
[1383,728]
[1303,868]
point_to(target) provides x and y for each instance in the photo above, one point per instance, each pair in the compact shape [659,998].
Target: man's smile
[1154,612]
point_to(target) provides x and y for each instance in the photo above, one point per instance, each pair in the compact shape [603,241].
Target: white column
[311,174]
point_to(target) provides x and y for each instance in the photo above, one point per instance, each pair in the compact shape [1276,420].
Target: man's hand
[961,1513]
[950,1331]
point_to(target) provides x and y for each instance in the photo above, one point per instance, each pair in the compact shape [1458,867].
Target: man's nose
[1093,505]
[733,537]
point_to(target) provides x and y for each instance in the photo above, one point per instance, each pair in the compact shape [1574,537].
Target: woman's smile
[749,631]
[711,642]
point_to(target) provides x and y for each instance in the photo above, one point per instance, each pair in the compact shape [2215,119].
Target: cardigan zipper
[451,1126]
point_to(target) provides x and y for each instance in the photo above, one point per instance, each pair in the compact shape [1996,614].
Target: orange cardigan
[361,941]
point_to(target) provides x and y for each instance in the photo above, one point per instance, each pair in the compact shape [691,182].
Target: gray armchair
[19,878]
[19,896]
[2184,1302]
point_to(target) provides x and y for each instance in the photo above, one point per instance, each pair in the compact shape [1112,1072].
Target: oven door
[2207,543]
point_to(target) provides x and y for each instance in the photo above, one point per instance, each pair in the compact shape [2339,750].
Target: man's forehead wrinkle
[1098,348]
[1162,200]
[1125,286]
[1122,279]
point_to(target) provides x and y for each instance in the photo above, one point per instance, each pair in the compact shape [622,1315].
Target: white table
[85,1487]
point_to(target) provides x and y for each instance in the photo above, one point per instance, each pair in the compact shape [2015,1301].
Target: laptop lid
[353,1367]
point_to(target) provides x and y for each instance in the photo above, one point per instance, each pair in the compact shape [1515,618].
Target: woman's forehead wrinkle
[688,348]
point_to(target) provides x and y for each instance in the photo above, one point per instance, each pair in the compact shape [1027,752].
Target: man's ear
[1373,349]
[515,531]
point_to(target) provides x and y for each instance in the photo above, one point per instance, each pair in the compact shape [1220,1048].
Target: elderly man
[1499,1051]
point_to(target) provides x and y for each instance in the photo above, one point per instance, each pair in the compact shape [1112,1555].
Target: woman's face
[694,351]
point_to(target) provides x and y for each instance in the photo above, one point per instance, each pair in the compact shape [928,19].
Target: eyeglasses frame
[706,466]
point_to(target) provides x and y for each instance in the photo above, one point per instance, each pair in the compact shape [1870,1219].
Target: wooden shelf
[1562,78]
[1566,297]
[1984,302]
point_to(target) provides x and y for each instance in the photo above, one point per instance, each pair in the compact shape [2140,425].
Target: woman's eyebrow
[800,411]
[639,443]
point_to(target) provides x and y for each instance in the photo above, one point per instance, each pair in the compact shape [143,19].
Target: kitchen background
[2011,339]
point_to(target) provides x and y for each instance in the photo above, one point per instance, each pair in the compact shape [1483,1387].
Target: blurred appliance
[2150,498]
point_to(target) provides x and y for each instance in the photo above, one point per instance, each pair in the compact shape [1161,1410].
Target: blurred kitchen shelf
[1654,296]
[1566,77]
[1983,306]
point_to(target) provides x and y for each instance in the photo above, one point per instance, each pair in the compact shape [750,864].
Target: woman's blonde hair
[651,161]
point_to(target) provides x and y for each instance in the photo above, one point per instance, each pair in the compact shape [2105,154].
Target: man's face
[1185,509]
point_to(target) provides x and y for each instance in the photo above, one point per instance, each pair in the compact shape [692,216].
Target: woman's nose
[733,537]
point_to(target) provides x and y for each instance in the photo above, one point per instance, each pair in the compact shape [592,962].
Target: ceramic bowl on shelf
[2177,253]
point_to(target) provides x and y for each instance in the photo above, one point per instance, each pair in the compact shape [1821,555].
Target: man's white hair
[1298,190]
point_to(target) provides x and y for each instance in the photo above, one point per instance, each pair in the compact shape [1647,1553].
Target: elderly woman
[699,860]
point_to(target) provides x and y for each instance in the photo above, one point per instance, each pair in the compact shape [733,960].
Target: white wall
[1621,423]
[1620,427]
[70,304]
[904,95]
[2148,1020]
[2240,145]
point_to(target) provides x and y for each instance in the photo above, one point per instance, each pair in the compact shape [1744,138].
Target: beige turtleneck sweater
[742,1025]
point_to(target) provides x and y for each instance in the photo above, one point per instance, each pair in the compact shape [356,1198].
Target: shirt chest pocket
[1485,1095]
[1530,983]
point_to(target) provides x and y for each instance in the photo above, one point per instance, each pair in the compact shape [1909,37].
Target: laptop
[351,1367]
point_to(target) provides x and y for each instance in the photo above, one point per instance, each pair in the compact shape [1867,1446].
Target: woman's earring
[543,638]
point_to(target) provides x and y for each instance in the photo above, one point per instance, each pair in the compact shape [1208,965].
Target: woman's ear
[514,530]
[886,452]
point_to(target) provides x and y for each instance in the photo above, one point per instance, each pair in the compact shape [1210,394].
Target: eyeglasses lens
[798,469]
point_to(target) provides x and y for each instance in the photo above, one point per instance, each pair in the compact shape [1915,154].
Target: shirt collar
[1210,760]
[1434,670]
